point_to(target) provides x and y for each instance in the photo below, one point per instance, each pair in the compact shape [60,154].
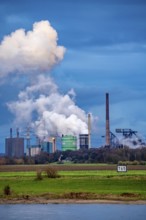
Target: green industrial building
[69,142]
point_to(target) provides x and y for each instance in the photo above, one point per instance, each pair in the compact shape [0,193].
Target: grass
[100,183]
[104,173]
[83,173]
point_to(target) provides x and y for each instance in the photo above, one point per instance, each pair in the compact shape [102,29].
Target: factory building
[69,142]
[34,150]
[49,145]
[84,141]
[14,146]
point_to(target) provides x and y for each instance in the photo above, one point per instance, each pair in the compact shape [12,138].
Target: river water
[73,212]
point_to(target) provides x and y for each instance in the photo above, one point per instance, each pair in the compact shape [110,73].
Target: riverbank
[37,200]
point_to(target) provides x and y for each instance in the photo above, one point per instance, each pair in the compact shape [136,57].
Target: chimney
[89,130]
[17,131]
[10,132]
[54,144]
[107,121]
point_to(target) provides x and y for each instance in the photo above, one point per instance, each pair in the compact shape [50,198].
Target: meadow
[76,184]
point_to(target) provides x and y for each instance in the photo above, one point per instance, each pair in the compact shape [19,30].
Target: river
[73,212]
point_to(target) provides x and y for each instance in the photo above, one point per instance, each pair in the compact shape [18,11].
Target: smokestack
[17,131]
[107,121]
[54,144]
[10,132]
[89,130]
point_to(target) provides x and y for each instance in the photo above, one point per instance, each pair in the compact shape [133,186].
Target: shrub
[142,162]
[7,190]
[123,162]
[51,172]
[135,162]
[39,175]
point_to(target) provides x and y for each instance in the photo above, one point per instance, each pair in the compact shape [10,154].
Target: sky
[58,58]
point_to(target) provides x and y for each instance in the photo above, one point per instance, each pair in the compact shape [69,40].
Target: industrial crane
[130,134]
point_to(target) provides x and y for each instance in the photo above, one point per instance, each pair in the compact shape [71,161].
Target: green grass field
[97,184]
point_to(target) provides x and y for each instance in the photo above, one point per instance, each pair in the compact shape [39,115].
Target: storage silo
[69,142]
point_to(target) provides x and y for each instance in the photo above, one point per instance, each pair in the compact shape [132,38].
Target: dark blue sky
[105,45]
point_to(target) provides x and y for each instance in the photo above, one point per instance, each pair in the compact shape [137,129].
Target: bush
[142,162]
[123,163]
[51,172]
[135,162]
[39,175]
[7,190]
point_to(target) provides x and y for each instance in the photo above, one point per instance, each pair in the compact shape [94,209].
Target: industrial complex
[15,146]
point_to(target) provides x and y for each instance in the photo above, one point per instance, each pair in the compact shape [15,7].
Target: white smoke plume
[30,52]
[48,112]
[40,105]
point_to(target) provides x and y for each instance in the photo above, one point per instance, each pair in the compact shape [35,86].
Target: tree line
[93,155]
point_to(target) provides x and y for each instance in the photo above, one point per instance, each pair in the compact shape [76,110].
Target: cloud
[33,51]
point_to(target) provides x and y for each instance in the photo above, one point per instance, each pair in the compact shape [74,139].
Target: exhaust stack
[107,121]
[10,132]
[17,131]
[89,130]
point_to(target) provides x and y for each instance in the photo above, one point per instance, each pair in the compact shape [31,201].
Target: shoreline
[5,201]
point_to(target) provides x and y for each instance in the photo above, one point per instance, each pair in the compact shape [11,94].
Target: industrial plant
[15,146]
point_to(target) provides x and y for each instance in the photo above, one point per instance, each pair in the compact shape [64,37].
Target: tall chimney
[107,121]
[17,131]
[10,132]
[89,130]
[54,144]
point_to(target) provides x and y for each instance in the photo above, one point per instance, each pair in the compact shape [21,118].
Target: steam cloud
[54,113]
[133,142]
[40,104]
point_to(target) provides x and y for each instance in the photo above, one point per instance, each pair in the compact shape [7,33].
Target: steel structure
[114,141]
[130,134]
[127,133]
